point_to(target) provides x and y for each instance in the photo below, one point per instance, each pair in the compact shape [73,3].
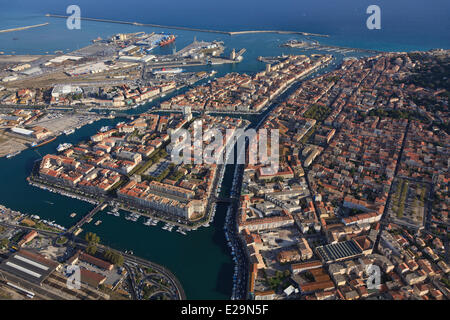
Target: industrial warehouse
[29,266]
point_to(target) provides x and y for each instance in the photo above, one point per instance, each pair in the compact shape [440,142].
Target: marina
[132,217]
[151,222]
[168,227]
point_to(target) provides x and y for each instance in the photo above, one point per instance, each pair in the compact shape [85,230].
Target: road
[385,212]
[169,275]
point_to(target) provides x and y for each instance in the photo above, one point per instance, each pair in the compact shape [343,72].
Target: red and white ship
[167,40]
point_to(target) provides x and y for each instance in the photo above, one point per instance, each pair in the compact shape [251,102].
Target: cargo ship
[36,145]
[167,40]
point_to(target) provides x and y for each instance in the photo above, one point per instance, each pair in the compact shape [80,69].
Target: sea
[201,260]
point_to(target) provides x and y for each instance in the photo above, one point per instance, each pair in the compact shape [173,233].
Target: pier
[230,33]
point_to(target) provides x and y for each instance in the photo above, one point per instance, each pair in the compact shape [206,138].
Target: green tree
[113,257]
[4,243]
[91,238]
[91,249]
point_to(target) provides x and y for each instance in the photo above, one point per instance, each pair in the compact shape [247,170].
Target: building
[91,278]
[264,295]
[28,238]
[288,256]
[101,264]
[23,132]
[339,251]
[64,89]
[300,267]
[305,250]
[29,266]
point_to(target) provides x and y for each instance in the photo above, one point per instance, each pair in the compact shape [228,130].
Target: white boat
[70,131]
[180,230]
[104,128]
[63,146]
[12,154]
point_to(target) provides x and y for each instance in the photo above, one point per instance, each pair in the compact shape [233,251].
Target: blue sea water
[405,24]
[201,260]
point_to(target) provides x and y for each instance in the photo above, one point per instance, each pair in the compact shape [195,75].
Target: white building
[65,89]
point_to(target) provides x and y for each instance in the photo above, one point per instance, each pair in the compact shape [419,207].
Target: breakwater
[230,33]
[24,28]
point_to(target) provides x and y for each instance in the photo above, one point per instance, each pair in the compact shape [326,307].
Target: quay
[230,33]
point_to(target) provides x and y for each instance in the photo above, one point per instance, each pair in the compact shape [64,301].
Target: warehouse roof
[29,266]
